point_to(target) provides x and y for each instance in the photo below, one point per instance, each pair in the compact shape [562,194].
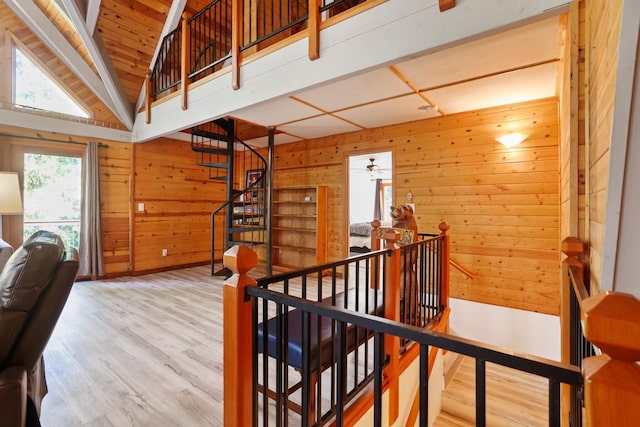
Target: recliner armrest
[13,397]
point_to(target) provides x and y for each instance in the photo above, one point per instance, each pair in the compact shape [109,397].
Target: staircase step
[209,150]
[211,135]
[217,165]
[222,178]
[245,242]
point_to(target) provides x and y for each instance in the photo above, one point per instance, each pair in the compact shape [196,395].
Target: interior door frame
[347,185]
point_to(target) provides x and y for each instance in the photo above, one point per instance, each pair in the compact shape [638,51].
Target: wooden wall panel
[603,28]
[178,199]
[115,184]
[503,205]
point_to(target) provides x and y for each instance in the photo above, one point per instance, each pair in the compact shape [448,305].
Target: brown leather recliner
[34,286]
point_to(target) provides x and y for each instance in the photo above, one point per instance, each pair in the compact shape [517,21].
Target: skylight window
[34,88]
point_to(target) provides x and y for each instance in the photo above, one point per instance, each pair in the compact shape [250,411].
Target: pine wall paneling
[503,205]
[603,36]
[178,199]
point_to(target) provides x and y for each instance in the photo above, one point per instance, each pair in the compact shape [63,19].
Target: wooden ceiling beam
[91,15]
[38,22]
[102,62]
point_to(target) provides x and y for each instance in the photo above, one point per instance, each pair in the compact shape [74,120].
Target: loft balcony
[248,63]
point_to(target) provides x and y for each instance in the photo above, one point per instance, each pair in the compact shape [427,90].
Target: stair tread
[513,398]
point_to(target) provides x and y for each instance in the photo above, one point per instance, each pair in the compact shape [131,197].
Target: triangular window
[35,88]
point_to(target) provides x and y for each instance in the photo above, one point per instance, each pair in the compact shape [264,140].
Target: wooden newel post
[611,321]
[238,337]
[444,262]
[571,247]
[375,240]
[392,312]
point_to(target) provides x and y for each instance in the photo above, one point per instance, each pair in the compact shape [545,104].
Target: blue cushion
[326,331]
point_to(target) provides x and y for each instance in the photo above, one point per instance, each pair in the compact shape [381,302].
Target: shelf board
[294,202]
[300,230]
[295,248]
[279,215]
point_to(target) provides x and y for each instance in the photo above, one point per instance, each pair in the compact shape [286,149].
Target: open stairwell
[513,398]
[233,162]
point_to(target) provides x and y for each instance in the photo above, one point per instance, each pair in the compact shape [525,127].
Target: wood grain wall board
[483,192]
[178,198]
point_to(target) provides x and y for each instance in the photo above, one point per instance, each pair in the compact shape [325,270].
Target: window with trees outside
[36,89]
[52,196]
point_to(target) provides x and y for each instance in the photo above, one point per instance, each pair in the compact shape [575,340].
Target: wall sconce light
[511,139]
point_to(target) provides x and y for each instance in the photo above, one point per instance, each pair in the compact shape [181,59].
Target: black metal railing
[579,347]
[210,39]
[334,7]
[339,355]
[210,36]
[265,20]
[343,321]
[166,70]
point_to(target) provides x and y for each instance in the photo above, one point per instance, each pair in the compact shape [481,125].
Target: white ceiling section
[514,66]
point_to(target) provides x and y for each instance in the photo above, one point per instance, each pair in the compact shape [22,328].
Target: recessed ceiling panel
[279,138]
[404,109]
[277,111]
[318,127]
[516,86]
[362,89]
[505,51]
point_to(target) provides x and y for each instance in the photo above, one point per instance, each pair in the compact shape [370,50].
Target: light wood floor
[513,398]
[147,351]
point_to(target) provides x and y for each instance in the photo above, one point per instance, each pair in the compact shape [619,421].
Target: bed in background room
[360,237]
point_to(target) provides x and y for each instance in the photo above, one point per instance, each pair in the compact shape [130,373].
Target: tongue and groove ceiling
[112,44]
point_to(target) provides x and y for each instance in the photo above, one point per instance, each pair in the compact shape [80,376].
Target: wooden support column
[392,312]
[147,100]
[444,262]
[314,29]
[572,247]
[185,49]
[236,41]
[611,321]
[238,337]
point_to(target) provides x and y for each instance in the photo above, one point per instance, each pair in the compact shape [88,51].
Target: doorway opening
[370,196]
[52,196]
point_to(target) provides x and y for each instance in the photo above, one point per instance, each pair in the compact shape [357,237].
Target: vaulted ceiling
[103,48]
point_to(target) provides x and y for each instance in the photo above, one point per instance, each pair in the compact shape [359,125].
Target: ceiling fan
[373,169]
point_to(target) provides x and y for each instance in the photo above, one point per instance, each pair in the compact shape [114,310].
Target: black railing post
[269,202]
[481,393]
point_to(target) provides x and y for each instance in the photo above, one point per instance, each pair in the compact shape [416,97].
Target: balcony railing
[225,32]
[67,229]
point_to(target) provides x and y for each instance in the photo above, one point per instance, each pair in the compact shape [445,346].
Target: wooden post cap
[572,246]
[240,259]
[376,223]
[611,321]
[444,227]
[612,391]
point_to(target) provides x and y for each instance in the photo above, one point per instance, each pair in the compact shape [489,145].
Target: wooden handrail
[375,245]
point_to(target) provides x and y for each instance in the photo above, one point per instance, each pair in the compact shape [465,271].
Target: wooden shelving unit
[299,227]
